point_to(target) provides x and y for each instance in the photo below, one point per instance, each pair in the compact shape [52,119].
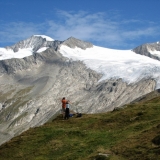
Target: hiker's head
[63,98]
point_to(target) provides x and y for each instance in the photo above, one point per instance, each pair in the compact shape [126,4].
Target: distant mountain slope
[147,97]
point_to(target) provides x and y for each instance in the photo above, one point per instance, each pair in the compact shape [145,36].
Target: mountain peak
[24,48]
[74,42]
[44,37]
[151,50]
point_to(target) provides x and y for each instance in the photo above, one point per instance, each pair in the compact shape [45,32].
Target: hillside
[128,133]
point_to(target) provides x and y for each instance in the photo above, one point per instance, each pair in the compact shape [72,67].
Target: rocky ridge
[147,49]
[35,42]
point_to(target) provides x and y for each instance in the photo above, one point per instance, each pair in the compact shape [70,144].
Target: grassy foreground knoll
[131,133]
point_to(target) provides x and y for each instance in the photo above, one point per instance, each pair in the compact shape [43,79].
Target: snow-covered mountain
[37,72]
[24,48]
[111,63]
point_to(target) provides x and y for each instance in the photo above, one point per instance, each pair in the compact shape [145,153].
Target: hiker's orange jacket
[64,103]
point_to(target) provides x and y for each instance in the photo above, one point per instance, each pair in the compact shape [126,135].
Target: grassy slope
[132,133]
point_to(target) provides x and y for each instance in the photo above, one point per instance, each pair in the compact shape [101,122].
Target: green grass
[130,133]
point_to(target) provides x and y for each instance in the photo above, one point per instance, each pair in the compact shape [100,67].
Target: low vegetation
[129,133]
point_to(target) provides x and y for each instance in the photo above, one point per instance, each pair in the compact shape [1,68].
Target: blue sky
[117,24]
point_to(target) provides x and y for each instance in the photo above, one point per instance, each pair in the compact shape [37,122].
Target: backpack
[79,114]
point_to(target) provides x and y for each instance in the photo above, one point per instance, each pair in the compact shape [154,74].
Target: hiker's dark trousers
[67,113]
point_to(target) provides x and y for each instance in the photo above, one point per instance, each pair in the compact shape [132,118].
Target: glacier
[124,64]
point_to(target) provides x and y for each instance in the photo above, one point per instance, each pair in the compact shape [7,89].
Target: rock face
[148,49]
[31,88]
[35,42]
[73,42]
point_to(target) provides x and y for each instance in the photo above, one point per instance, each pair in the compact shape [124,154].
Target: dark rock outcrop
[146,49]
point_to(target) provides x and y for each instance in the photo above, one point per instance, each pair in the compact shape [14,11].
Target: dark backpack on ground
[79,114]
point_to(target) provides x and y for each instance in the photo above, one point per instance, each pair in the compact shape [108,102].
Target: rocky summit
[151,50]
[31,87]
